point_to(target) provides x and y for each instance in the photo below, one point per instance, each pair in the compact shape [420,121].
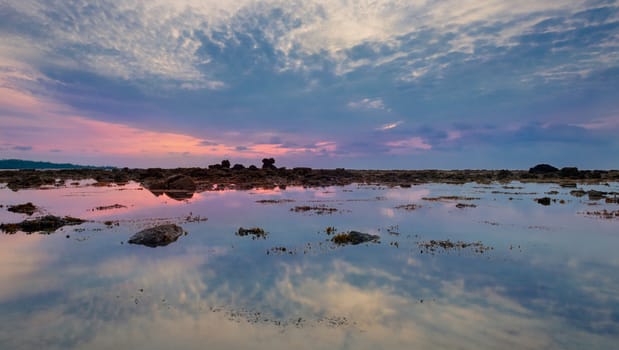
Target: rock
[596,195]
[180,182]
[157,236]
[26,208]
[570,172]
[543,169]
[268,163]
[177,187]
[29,179]
[302,170]
[446,245]
[463,205]
[612,200]
[256,232]
[504,174]
[46,224]
[354,238]
[578,193]
[543,201]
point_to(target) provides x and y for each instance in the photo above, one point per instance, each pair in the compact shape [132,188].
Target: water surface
[550,279]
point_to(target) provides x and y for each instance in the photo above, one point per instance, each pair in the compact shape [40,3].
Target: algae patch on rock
[354,238]
[255,232]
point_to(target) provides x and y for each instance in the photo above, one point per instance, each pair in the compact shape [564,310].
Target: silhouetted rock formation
[571,172]
[543,169]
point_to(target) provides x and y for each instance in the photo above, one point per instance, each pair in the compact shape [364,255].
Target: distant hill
[29,164]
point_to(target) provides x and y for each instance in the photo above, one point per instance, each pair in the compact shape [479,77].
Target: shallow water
[549,281]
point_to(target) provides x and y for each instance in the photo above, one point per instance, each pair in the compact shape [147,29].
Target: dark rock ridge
[157,236]
[239,177]
[45,224]
[354,238]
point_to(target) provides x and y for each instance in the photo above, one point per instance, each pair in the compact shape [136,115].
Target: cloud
[410,144]
[389,126]
[600,124]
[180,40]
[208,143]
[367,104]
[22,148]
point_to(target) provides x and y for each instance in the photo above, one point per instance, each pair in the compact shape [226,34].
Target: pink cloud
[415,143]
[453,135]
[608,123]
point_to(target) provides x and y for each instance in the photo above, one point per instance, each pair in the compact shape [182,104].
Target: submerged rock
[543,200]
[446,245]
[255,232]
[354,238]
[26,208]
[596,195]
[157,236]
[45,224]
[578,193]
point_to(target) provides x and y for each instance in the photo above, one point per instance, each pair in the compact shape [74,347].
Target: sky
[406,84]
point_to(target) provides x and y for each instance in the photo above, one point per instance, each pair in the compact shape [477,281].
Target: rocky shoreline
[180,181]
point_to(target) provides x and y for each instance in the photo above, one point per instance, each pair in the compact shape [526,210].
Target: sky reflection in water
[549,282]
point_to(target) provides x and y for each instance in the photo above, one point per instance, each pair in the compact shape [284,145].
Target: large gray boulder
[157,236]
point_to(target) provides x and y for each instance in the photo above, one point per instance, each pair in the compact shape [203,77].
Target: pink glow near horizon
[52,126]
